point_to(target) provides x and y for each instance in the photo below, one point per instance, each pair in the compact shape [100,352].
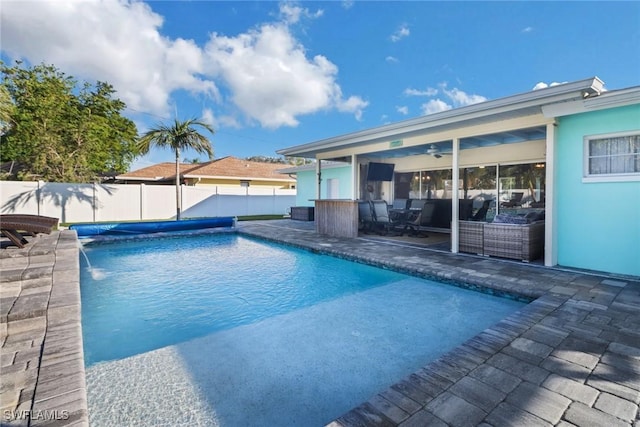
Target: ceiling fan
[434,151]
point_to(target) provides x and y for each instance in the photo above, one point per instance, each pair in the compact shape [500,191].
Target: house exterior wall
[237,183]
[598,223]
[306,184]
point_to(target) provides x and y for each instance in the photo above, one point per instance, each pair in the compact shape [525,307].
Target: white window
[612,157]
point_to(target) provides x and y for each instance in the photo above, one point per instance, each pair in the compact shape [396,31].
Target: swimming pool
[244,332]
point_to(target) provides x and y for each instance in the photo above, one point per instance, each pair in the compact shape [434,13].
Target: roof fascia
[559,93]
[613,99]
[139,178]
[241,178]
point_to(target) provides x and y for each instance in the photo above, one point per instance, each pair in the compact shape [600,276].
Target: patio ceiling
[445,147]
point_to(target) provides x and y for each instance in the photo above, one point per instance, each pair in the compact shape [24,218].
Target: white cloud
[400,33]
[435,106]
[404,110]
[114,41]
[272,80]
[391,59]
[461,98]
[416,92]
[542,85]
[291,13]
[348,4]
[354,104]
[527,29]
[264,72]
[456,98]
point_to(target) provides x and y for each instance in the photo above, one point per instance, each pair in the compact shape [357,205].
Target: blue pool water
[157,292]
[224,330]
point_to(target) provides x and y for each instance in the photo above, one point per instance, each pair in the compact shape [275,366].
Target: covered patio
[500,152]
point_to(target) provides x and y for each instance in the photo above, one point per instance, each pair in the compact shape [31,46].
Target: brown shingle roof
[232,167]
[226,167]
[158,172]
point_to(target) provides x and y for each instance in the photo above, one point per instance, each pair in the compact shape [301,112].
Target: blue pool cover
[128,228]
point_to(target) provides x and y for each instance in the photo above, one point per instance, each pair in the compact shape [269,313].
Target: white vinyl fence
[120,202]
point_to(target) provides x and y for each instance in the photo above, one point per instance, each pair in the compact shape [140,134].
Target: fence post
[217,196]
[39,196]
[142,200]
[181,199]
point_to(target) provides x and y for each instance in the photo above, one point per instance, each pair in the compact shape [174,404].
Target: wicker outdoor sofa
[524,242]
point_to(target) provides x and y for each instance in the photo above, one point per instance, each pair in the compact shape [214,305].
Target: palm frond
[178,136]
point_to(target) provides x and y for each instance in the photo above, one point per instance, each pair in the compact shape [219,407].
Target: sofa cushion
[510,219]
[535,216]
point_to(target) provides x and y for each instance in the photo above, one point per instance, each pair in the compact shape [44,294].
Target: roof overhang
[144,178]
[239,178]
[521,105]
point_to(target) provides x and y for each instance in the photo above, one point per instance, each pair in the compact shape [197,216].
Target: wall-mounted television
[380,171]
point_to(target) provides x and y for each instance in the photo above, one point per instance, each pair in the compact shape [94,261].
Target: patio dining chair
[382,219]
[365,216]
[515,200]
[424,219]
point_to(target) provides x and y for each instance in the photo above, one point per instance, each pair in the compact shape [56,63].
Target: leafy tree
[7,111]
[62,132]
[193,161]
[179,136]
[298,161]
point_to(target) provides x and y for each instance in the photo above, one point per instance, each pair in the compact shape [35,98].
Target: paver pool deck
[570,357]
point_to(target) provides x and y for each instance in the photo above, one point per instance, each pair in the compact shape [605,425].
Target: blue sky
[270,75]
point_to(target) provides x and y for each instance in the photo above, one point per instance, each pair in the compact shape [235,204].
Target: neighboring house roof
[156,173]
[224,168]
[234,168]
[521,105]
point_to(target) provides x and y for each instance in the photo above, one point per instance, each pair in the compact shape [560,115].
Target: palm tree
[179,136]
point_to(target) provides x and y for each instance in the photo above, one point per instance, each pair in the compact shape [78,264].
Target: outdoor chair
[382,219]
[401,204]
[47,221]
[481,215]
[416,204]
[424,219]
[365,216]
[515,200]
[13,225]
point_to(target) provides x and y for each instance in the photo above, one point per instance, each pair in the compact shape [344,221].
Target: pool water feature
[294,346]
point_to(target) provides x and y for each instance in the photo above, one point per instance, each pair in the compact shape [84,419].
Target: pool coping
[43,377]
[572,355]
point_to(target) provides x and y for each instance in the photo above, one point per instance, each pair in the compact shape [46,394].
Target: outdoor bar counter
[336,217]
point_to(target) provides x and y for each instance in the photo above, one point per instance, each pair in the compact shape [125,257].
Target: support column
[355,182]
[143,201]
[550,235]
[455,196]
[319,179]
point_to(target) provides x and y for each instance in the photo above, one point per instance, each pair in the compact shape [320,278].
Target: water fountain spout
[96,273]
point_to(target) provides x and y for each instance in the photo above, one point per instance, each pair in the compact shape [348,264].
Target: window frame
[608,177]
